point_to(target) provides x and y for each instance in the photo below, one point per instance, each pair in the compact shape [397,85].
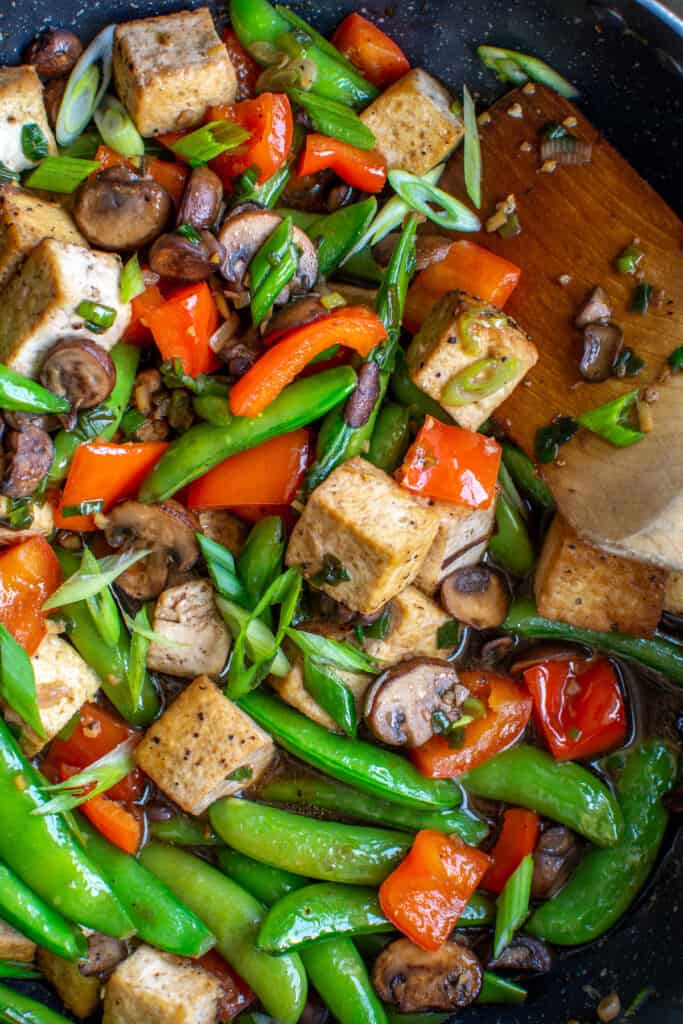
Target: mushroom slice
[297,314]
[416,980]
[167,529]
[524,954]
[79,370]
[180,259]
[243,236]
[601,345]
[119,210]
[202,199]
[26,459]
[476,596]
[401,705]
[428,249]
[556,856]
[595,310]
[104,954]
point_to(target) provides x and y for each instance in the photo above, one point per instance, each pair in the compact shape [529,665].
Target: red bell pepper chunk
[183,325]
[267,475]
[508,712]
[236,993]
[467,267]
[579,707]
[362,168]
[377,57]
[268,119]
[138,332]
[426,894]
[105,472]
[517,839]
[108,157]
[170,175]
[452,464]
[356,327]
[29,574]
[246,68]
[121,826]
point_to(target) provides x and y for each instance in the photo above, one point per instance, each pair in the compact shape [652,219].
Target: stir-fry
[321,701]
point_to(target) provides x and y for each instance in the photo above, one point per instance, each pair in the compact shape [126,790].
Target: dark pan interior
[627,59]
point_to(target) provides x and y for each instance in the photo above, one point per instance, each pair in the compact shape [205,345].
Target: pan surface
[627,59]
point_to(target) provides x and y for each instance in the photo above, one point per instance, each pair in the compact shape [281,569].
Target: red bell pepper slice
[107,472]
[183,325]
[138,332]
[246,68]
[517,839]
[452,464]
[356,327]
[236,993]
[267,475]
[268,119]
[170,175]
[426,894]
[579,707]
[508,712]
[29,574]
[377,57]
[120,825]
[362,168]
[467,267]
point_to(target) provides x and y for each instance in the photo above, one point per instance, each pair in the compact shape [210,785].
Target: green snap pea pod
[260,560]
[511,545]
[334,120]
[561,790]
[523,472]
[362,266]
[20,1009]
[355,854]
[340,977]
[336,234]
[102,421]
[110,663]
[352,803]
[390,438]
[205,445]
[257,21]
[183,831]
[31,916]
[159,918]
[660,654]
[370,768]
[495,989]
[43,852]
[234,916]
[418,402]
[21,394]
[606,882]
[263,881]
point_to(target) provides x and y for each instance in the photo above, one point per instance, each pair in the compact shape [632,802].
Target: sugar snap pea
[337,971]
[30,915]
[263,881]
[21,394]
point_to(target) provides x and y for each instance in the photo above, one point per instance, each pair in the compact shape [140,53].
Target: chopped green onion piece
[512,64]
[676,359]
[610,421]
[87,84]
[331,693]
[549,439]
[209,141]
[117,128]
[472,149]
[259,639]
[334,119]
[137,659]
[140,625]
[131,421]
[479,380]
[84,147]
[640,301]
[61,173]
[500,990]
[98,318]
[448,634]
[221,565]
[103,608]
[513,905]
[378,629]
[331,572]
[511,228]
[81,585]
[241,774]
[6,174]
[189,232]
[85,508]
[552,131]
[419,193]
[332,652]
[627,364]
[132,282]
[95,779]
[630,259]
[34,145]
[474,708]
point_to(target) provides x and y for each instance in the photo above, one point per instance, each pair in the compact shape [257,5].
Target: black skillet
[627,59]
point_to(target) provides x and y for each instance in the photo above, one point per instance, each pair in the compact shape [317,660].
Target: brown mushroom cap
[595,310]
[54,53]
[428,249]
[79,370]
[119,210]
[167,529]
[524,954]
[476,596]
[180,259]
[401,703]
[556,856]
[296,314]
[201,203]
[360,403]
[601,345]
[243,235]
[416,980]
[27,457]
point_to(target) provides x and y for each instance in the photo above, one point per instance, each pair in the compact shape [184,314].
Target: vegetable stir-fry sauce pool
[318,703]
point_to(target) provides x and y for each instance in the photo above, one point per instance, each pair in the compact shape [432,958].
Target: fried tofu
[40,300]
[585,587]
[170,69]
[203,748]
[159,988]
[414,624]
[79,994]
[25,220]
[360,524]
[673,595]
[414,126]
[461,541]
[225,528]
[460,331]
[15,946]
[187,615]
[21,103]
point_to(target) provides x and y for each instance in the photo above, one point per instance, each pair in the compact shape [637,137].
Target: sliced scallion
[334,119]
[61,174]
[640,301]
[137,660]
[132,282]
[34,144]
[513,905]
[629,259]
[87,84]
[210,141]
[332,652]
[84,508]
[7,174]
[479,380]
[189,232]
[85,146]
[141,625]
[472,149]
[419,194]
[549,439]
[331,693]
[259,638]
[82,585]
[95,779]
[17,681]
[117,129]
[514,66]
[98,318]
[611,421]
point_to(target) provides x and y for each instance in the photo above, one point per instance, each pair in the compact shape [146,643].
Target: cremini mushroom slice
[202,199]
[415,980]
[557,854]
[402,705]
[79,370]
[524,954]
[119,210]
[476,596]
[243,235]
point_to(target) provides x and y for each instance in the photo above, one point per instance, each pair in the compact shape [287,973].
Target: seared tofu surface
[461,540]
[79,994]
[21,103]
[151,987]
[25,220]
[198,640]
[673,596]
[414,623]
[14,945]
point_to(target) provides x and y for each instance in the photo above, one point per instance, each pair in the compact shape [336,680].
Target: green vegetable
[61,174]
[209,141]
[390,438]
[640,301]
[334,119]
[87,84]
[566,792]
[658,653]
[98,777]
[513,904]
[515,67]
[16,1008]
[331,693]
[98,318]
[85,582]
[606,882]
[479,380]
[421,195]
[611,421]
[117,128]
[370,768]
[15,969]
[338,973]
[102,606]
[418,403]
[17,681]
[332,652]
[273,266]
[336,234]
[524,474]
[500,991]
[511,545]
[7,175]
[472,149]
[676,359]
[29,914]
[390,217]
[221,565]
[33,142]
[550,439]
[235,917]
[20,394]
[205,445]
[629,259]
[181,830]
[84,147]
[263,881]
[259,640]
[132,282]
[248,190]
[627,364]
[261,559]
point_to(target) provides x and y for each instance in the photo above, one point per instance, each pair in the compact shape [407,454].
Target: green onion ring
[418,193]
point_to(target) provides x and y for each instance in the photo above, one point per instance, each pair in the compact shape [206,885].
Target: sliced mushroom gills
[415,980]
[243,235]
[403,704]
[556,856]
[79,370]
[476,596]
[118,210]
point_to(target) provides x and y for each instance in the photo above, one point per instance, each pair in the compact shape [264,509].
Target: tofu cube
[39,302]
[673,595]
[581,585]
[413,124]
[21,103]
[462,540]
[25,220]
[168,70]
[222,526]
[159,988]
[414,623]
[79,994]
[187,615]
[14,945]
[373,531]
[199,742]
[461,331]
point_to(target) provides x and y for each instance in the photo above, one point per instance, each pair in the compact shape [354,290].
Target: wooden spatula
[575,221]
